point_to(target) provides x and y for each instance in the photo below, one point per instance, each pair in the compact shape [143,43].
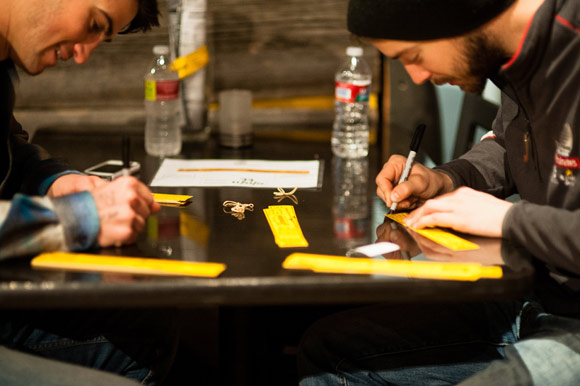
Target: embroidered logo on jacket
[565,166]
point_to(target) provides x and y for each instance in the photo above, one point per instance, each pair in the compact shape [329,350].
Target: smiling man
[45,206]
[39,33]
[530,49]
[77,211]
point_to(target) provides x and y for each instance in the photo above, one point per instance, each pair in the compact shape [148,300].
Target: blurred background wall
[285,51]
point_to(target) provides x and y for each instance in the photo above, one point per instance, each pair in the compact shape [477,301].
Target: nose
[417,73]
[82,51]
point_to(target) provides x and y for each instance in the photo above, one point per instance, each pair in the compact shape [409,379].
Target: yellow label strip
[133,265]
[437,235]
[172,199]
[189,64]
[404,268]
[285,227]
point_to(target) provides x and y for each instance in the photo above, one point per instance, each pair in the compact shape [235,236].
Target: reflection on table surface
[341,215]
[416,247]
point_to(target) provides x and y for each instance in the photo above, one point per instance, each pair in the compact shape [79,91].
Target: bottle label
[164,90]
[350,93]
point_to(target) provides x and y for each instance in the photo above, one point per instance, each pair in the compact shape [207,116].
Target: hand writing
[123,206]
[423,184]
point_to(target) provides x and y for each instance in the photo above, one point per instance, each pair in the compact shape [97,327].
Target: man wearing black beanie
[531,50]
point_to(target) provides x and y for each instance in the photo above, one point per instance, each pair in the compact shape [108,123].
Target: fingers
[123,208]
[389,176]
[464,210]
[435,212]
[404,195]
[146,195]
[422,184]
[136,194]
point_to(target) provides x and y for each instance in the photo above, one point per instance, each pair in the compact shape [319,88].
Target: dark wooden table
[343,213]
[245,323]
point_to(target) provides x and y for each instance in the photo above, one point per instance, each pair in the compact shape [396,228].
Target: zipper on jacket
[531,151]
[528,137]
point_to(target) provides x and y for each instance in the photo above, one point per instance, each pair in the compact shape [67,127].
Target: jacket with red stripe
[536,148]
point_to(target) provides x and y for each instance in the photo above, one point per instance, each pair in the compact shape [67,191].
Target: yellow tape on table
[285,227]
[437,235]
[133,265]
[172,199]
[405,268]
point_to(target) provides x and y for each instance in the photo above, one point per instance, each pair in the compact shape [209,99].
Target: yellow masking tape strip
[405,268]
[191,63]
[437,235]
[320,102]
[172,199]
[134,265]
[285,227]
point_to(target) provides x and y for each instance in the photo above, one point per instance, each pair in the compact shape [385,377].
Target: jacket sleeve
[549,233]
[30,225]
[32,169]
[484,166]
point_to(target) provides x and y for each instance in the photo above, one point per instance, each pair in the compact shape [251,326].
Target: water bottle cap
[161,50]
[354,51]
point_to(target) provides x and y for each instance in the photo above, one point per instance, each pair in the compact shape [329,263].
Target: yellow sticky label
[191,63]
[437,235]
[404,268]
[150,90]
[133,265]
[285,227]
[172,199]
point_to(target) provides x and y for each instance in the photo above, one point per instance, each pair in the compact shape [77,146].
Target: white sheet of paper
[377,249]
[238,173]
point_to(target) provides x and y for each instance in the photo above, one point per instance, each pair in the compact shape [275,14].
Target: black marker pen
[415,142]
[126,155]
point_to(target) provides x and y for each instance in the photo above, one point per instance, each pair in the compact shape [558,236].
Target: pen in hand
[126,155]
[417,136]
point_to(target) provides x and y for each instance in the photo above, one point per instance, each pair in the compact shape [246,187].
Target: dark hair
[147,17]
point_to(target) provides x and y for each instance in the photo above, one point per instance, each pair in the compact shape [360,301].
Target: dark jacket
[29,223]
[536,149]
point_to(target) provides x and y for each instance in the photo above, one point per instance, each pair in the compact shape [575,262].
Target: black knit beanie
[420,19]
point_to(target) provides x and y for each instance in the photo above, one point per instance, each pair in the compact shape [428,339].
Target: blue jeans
[22,369]
[509,343]
[138,345]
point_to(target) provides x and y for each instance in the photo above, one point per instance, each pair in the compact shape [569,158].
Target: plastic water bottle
[350,132]
[351,209]
[162,126]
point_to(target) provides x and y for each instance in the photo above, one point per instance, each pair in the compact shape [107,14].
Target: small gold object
[237,209]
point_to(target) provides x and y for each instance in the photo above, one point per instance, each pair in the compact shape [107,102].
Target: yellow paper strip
[191,63]
[437,235]
[285,227]
[133,265]
[405,268]
[172,199]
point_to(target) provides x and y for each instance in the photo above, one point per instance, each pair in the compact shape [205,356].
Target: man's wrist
[446,183]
